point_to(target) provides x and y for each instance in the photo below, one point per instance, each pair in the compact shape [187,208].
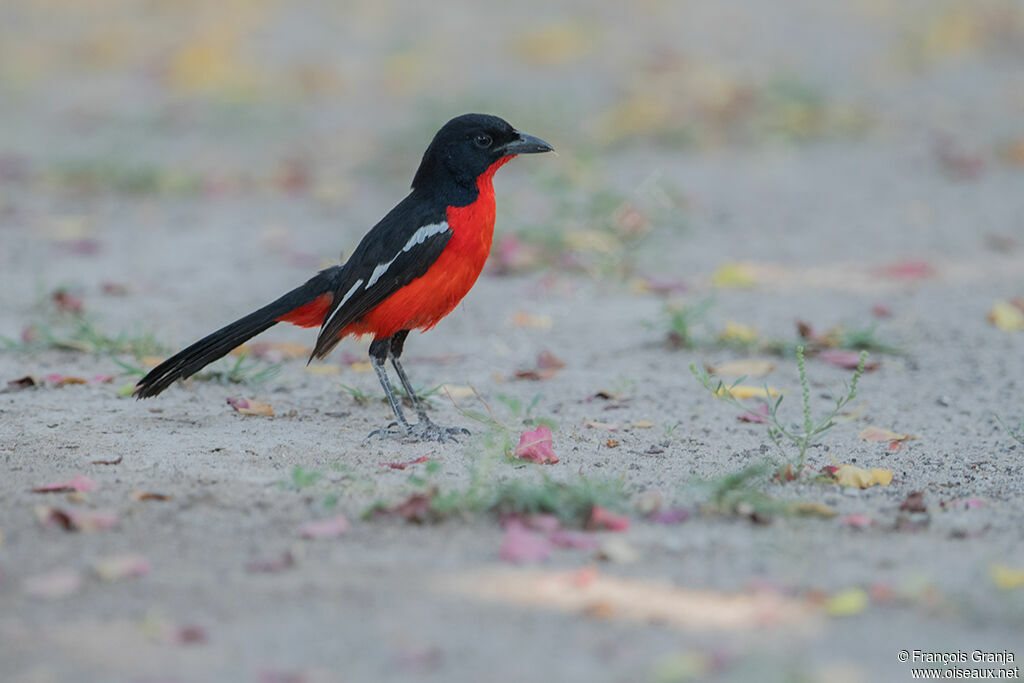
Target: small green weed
[301,478]
[1016,434]
[800,436]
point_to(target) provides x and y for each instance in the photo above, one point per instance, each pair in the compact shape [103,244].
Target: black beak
[526,144]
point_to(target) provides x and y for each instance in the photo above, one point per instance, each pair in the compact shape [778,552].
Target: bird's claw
[421,431]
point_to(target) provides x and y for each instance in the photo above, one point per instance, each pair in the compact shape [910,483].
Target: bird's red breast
[422,303]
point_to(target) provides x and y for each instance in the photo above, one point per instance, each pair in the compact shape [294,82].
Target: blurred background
[330,100]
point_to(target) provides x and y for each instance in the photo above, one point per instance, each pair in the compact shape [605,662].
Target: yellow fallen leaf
[851,475]
[1006,577]
[1006,316]
[811,509]
[738,332]
[150,361]
[360,366]
[734,275]
[247,407]
[643,424]
[751,367]
[745,391]
[879,435]
[847,603]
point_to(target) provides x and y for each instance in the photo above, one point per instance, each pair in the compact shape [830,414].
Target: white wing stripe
[345,298]
[418,237]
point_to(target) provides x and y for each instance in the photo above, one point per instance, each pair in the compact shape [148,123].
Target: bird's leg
[425,429]
[378,354]
[394,351]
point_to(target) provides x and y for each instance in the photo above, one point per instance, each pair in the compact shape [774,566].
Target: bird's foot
[428,431]
[425,430]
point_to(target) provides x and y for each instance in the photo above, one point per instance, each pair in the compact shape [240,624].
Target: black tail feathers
[218,344]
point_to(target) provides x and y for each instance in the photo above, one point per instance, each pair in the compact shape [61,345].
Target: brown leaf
[23,382]
[116,461]
[148,495]
[78,483]
[417,508]
[914,502]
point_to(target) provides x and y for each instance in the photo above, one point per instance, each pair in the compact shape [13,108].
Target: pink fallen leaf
[325,528]
[66,302]
[907,270]
[403,465]
[118,567]
[520,545]
[53,585]
[76,520]
[535,446]
[759,416]
[857,521]
[79,483]
[881,311]
[101,379]
[846,359]
[600,518]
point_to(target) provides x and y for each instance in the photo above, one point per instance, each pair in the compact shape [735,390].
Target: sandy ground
[175,166]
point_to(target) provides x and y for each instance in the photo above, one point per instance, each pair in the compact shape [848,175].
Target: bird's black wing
[399,249]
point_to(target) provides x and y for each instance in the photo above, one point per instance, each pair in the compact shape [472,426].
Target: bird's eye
[483,141]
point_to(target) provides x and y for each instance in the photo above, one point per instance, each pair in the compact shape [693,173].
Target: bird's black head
[467,146]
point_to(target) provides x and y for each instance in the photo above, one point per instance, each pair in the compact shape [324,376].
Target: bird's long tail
[304,306]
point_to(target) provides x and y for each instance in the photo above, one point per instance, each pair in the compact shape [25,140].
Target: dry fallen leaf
[734,276]
[914,502]
[846,603]
[747,367]
[245,406]
[735,332]
[857,521]
[535,446]
[403,465]
[759,416]
[603,519]
[879,435]
[79,483]
[76,520]
[1006,316]
[1006,577]
[745,391]
[417,508]
[846,359]
[521,545]
[851,475]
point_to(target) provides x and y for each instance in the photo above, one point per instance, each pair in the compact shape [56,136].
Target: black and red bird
[407,273]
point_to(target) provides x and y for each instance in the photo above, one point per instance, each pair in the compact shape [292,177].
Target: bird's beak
[526,144]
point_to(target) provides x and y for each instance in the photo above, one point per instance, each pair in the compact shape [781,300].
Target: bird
[407,273]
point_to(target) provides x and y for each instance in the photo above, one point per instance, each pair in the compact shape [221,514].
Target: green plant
[683,319]
[301,478]
[1016,434]
[798,435]
[240,372]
